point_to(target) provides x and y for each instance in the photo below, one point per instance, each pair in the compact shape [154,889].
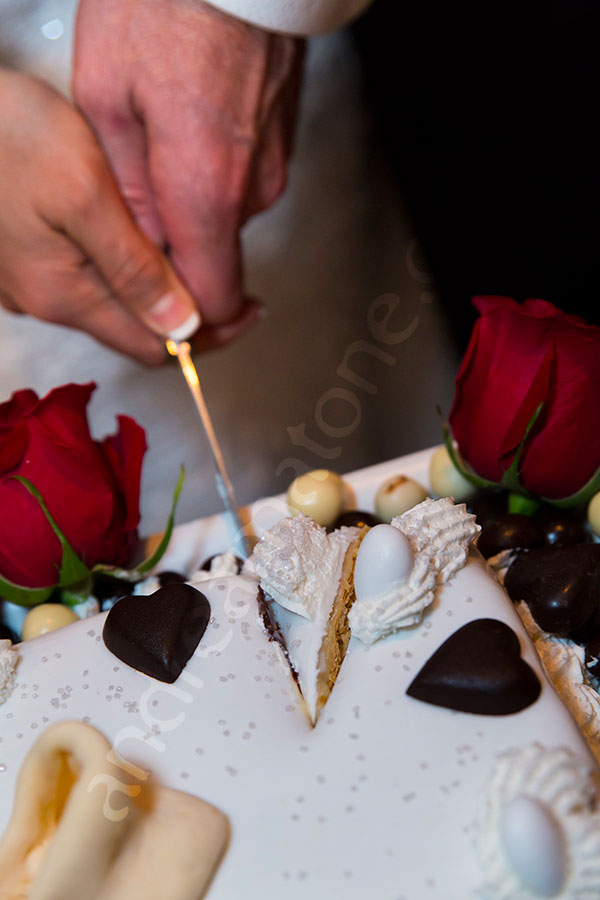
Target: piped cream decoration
[81,831]
[563,660]
[308,573]
[538,832]
[440,534]
[298,563]
[221,566]
[8,664]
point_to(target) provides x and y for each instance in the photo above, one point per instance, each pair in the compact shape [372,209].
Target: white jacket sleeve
[299,17]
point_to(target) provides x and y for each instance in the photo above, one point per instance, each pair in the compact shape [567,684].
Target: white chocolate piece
[446,480]
[81,830]
[46,617]
[535,845]
[318,494]
[384,561]
[397,495]
[593,514]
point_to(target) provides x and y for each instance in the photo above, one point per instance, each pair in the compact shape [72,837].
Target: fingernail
[172,317]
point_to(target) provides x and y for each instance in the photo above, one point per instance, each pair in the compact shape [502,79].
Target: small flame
[182,350]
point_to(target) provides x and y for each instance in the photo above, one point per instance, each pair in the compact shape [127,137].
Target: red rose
[520,356]
[91,489]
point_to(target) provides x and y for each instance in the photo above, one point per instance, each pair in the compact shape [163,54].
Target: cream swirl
[563,790]
[440,534]
[299,564]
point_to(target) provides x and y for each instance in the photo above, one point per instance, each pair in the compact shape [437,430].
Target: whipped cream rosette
[433,543]
[538,832]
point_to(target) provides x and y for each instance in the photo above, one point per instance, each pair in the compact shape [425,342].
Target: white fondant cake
[382,798]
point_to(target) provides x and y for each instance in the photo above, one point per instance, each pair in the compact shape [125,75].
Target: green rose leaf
[152,561]
[510,477]
[72,569]
[23,596]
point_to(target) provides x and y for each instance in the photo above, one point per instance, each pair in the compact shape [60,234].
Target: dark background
[489,115]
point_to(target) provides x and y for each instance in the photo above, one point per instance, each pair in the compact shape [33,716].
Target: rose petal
[19,405]
[519,356]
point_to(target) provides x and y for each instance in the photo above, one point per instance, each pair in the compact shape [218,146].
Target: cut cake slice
[306,593]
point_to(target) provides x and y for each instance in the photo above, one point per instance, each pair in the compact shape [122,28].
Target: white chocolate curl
[440,535]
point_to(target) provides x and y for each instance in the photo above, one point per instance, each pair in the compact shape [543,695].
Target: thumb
[138,275]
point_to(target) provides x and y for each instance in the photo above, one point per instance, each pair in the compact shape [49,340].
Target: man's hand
[70,250]
[195,111]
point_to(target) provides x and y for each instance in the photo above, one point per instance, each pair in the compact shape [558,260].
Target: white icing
[299,564]
[303,639]
[8,664]
[563,660]
[440,534]
[245,746]
[500,563]
[222,565]
[554,788]
[230,730]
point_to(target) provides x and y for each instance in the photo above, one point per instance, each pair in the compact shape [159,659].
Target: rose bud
[91,488]
[521,359]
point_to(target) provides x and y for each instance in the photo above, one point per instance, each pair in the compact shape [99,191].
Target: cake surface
[382,798]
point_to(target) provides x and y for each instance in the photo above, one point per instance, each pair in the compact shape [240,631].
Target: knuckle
[139,276]
[36,302]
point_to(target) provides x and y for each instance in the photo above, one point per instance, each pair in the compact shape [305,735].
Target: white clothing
[300,17]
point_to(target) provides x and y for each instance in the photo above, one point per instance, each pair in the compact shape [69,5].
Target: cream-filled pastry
[83,828]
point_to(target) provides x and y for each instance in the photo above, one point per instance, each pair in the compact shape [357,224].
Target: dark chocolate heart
[478,669]
[157,634]
[560,585]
